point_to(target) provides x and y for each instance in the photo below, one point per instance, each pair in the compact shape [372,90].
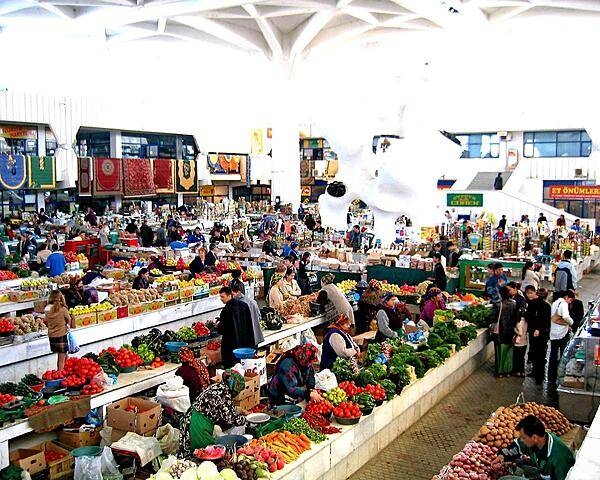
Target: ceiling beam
[506,13]
[377,6]
[9,7]
[234,34]
[361,14]
[432,10]
[586,5]
[91,3]
[162,24]
[184,32]
[63,11]
[340,33]
[132,32]
[271,33]
[304,33]
[314,4]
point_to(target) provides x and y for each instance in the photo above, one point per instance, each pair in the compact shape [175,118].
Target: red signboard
[575,192]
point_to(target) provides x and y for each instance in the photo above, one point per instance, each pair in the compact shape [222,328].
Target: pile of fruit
[157,362]
[28,324]
[85,368]
[186,334]
[186,283]
[155,272]
[71,257]
[6,398]
[32,283]
[335,396]
[165,279]
[347,286]
[92,389]
[299,306]
[272,458]
[350,388]
[499,430]
[124,357]
[53,456]
[376,391]
[201,329]
[209,278]
[81,310]
[213,345]
[64,278]
[347,410]
[475,461]
[73,381]
[54,375]
[319,407]
[7,275]
[6,327]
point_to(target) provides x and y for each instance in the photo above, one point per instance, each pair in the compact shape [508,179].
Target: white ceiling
[278,29]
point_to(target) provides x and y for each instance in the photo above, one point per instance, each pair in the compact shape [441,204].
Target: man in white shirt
[560,327]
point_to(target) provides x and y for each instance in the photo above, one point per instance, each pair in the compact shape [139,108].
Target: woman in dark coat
[505,316]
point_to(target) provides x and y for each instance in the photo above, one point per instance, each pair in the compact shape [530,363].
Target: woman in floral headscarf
[214,406]
[194,373]
[331,293]
[433,300]
[276,292]
[294,378]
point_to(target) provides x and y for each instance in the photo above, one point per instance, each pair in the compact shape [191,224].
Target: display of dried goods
[499,430]
[299,306]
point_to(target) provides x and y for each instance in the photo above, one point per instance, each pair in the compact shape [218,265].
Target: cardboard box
[145,420]
[250,396]
[157,304]
[107,315]
[23,295]
[122,312]
[171,296]
[186,293]
[257,366]
[146,307]
[31,460]
[135,310]
[85,319]
[61,468]
[75,439]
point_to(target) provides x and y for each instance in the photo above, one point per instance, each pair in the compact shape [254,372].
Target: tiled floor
[423,449]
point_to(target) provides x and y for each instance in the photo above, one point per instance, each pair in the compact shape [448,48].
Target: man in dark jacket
[498,182]
[269,246]
[235,324]
[439,272]
[538,316]
[146,234]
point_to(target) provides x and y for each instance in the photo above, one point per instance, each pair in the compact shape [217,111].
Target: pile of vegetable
[288,444]
[347,410]
[300,426]
[475,461]
[124,357]
[499,430]
[272,458]
[476,314]
[319,423]
[335,396]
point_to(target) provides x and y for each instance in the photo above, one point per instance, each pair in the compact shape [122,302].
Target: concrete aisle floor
[423,449]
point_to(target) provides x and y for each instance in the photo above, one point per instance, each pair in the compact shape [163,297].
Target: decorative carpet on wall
[12,171]
[108,177]
[164,178]
[84,176]
[186,176]
[138,180]
[42,172]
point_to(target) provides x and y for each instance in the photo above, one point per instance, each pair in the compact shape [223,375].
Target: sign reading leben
[464,200]
[575,191]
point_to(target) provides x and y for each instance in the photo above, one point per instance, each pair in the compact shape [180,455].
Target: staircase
[485,180]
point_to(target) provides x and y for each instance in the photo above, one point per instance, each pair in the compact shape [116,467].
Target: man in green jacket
[540,449]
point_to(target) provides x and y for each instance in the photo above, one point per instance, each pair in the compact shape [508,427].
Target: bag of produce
[174,394]
[325,380]
[168,437]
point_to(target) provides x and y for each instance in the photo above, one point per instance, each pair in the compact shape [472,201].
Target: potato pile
[27,324]
[499,431]
[133,297]
[64,278]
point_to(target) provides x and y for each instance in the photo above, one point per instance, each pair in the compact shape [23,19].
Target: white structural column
[65,124]
[116,151]
[285,181]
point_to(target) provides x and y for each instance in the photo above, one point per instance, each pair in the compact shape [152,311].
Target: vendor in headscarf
[294,378]
[276,296]
[193,372]
[214,406]
[330,292]
[338,343]
[433,300]
[390,317]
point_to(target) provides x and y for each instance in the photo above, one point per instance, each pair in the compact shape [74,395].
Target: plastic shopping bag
[72,346]
[325,380]
[88,468]
[168,437]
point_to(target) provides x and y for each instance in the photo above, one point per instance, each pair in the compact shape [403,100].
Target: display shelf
[11,283]
[273,336]
[344,453]
[127,385]
[8,307]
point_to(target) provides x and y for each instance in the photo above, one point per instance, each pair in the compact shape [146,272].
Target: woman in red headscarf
[433,300]
[338,343]
[294,378]
[194,373]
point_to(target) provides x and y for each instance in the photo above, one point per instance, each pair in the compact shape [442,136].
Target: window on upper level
[479,145]
[571,143]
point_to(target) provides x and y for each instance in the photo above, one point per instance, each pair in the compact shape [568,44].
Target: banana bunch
[347,286]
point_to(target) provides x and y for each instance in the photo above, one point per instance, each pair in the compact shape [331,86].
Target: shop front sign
[575,192]
[16,131]
[207,190]
[464,200]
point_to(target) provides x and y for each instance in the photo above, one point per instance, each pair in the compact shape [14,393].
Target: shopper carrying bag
[505,312]
[560,327]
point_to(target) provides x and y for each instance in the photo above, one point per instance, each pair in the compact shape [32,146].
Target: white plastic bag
[108,463]
[168,437]
[325,380]
[88,468]
[174,395]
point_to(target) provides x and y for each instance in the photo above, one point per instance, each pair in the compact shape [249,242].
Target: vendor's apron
[201,430]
